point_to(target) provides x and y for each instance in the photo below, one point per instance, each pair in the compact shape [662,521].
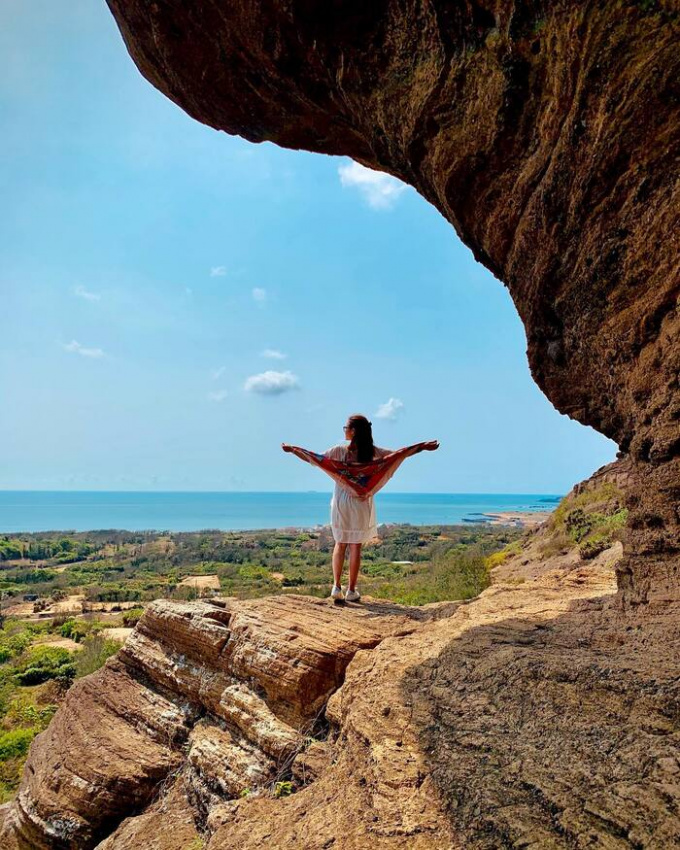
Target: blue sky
[153,270]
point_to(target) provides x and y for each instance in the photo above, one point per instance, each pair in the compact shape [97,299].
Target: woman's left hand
[431,446]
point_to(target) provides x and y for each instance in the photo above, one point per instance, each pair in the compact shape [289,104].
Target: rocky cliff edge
[537,715]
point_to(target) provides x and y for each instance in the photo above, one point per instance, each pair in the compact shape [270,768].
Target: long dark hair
[362,441]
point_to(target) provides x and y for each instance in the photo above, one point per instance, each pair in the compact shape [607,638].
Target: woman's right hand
[431,446]
[286,447]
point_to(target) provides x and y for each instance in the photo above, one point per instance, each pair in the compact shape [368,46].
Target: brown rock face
[547,133]
[207,700]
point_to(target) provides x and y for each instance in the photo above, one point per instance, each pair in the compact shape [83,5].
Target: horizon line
[296,492]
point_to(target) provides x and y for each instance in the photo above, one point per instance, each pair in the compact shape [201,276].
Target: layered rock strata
[228,694]
[547,133]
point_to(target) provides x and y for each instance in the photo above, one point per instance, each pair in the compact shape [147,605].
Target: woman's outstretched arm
[430,446]
[303,454]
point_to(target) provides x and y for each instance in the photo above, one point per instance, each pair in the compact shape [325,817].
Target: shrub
[32,576]
[59,621]
[579,524]
[73,629]
[15,743]
[22,711]
[252,571]
[606,499]
[96,649]
[498,558]
[454,575]
[44,662]
[132,617]
[592,547]
[11,550]
[13,643]
[294,581]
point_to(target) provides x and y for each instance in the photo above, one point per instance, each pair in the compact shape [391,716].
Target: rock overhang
[548,134]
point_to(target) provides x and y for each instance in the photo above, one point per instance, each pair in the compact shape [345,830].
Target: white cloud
[218,395]
[81,292]
[380,191]
[217,373]
[259,294]
[391,409]
[273,354]
[77,348]
[272,383]
[218,271]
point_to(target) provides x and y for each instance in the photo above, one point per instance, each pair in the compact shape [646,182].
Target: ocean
[27,510]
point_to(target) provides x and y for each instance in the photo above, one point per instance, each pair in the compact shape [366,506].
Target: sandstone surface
[225,693]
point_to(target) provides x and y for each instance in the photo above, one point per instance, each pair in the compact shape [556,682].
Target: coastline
[516,519]
[519,519]
[32,512]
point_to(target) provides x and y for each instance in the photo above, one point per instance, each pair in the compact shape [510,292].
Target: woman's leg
[354,564]
[338,562]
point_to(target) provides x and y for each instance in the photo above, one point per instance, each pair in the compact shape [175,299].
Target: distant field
[48,575]
[202,582]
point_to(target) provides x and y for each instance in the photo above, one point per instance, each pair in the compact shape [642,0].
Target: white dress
[352,519]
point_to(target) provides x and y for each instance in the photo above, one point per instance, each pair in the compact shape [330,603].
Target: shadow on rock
[556,733]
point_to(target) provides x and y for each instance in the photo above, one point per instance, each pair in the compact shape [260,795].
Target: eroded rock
[213,699]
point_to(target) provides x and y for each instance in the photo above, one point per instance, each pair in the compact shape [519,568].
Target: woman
[359,469]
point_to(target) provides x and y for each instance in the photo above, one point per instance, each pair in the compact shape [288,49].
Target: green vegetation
[96,649]
[452,575]
[283,789]
[61,549]
[591,520]
[498,558]
[34,677]
[123,568]
[15,743]
[40,663]
[74,629]
[132,617]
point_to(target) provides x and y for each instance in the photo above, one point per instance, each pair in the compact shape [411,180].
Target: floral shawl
[363,479]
